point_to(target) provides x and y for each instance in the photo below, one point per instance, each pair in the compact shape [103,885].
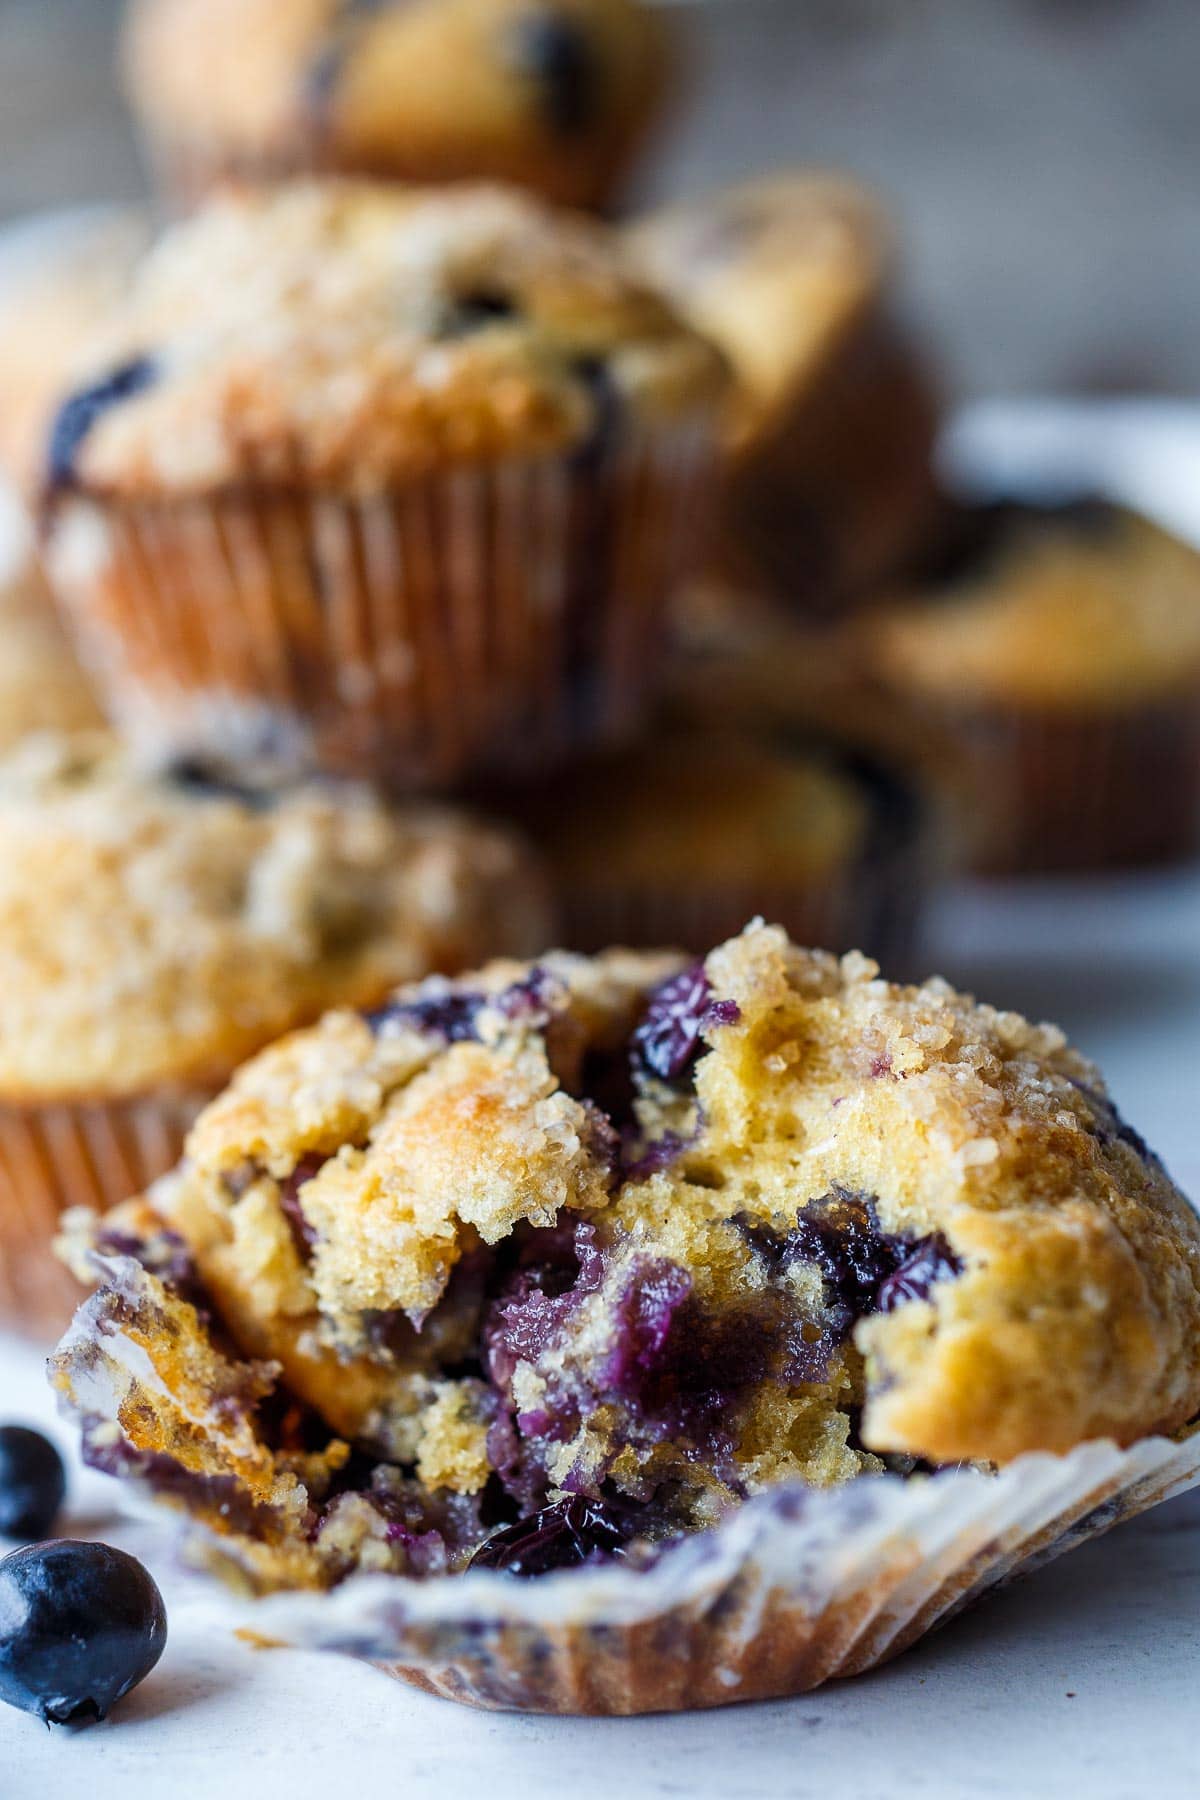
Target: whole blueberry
[33,1483]
[80,1626]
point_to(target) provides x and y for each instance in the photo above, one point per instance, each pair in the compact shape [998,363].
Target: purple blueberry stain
[304,1234]
[668,1040]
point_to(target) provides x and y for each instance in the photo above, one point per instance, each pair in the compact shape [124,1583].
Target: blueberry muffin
[392,482]
[60,272]
[156,929]
[1058,650]
[556,95]
[829,480]
[579,1258]
[683,839]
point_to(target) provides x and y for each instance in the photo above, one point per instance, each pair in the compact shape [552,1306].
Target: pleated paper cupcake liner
[66,1154]
[1058,792]
[488,619]
[797,1587]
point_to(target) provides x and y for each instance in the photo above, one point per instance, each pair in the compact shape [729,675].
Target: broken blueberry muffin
[556,95]
[568,1259]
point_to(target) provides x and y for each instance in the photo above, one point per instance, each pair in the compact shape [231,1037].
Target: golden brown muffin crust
[359,337]
[153,930]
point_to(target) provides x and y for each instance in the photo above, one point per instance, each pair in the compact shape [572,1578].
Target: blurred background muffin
[156,929]
[712,828]
[396,482]
[829,485]
[1058,651]
[60,273]
[556,95]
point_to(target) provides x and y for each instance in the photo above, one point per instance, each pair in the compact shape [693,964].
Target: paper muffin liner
[1059,792]
[798,1588]
[492,618]
[794,1588]
[65,1154]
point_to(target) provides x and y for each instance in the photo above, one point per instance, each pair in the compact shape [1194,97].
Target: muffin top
[1075,606]
[42,687]
[357,336]
[701,808]
[552,93]
[60,274]
[652,1234]
[779,272]
[155,929]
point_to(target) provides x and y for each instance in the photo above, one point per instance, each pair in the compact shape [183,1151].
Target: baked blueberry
[80,1626]
[33,1483]
[562,1536]
[79,413]
[554,54]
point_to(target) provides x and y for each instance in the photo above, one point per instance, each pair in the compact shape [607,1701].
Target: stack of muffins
[353,495]
[453,574]
[364,498]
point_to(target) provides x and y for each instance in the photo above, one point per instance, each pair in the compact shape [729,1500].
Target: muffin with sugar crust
[391,481]
[555,95]
[60,274]
[829,485]
[1057,652]
[699,1274]
[155,929]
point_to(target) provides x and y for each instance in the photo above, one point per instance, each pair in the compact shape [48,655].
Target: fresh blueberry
[79,413]
[80,1626]
[554,55]
[561,1536]
[32,1483]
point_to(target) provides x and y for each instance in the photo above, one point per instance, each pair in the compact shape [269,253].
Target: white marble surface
[1082,1682]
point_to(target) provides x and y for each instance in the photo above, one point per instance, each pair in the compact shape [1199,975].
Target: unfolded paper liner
[1061,791]
[486,619]
[795,1588]
[66,1154]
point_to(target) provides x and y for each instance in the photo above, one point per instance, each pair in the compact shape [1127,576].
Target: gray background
[1043,155]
